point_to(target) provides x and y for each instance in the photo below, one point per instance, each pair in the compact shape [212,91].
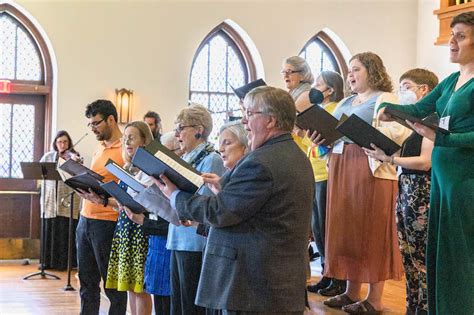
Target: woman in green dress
[450,251]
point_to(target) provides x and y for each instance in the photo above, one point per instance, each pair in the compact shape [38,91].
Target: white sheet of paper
[338,148]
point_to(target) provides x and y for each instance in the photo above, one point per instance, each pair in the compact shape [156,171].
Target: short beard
[104,136]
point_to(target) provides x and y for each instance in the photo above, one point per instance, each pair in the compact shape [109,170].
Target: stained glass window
[319,57]
[19,56]
[218,66]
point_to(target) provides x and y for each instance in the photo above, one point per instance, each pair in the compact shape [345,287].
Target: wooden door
[22,130]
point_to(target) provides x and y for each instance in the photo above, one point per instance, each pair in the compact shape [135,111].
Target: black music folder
[363,134]
[155,159]
[39,170]
[84,180]
[243,90]
[122,197]
[317,118]
[75,168]
[124,176]
[430,121]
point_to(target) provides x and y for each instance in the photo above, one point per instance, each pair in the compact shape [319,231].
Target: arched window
[221,62]
[25,117]
[323,54]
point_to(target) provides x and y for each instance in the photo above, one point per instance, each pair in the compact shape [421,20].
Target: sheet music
[188,174]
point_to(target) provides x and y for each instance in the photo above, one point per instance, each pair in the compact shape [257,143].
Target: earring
[198,136]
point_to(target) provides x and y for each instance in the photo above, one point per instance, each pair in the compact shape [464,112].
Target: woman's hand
[138,218]
[165,185]
[422,130]
[384,117]
[377,153]
[316,137]
[91,196]
[212,181]
[188,223]
[299,132]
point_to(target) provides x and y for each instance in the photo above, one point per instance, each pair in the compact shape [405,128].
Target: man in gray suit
[254,261]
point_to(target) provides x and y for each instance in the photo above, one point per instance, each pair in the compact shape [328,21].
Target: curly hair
[377,76]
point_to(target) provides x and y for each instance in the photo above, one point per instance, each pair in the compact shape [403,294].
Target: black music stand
[41,171]
[68,286]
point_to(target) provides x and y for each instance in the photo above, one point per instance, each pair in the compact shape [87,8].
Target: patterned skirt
[127,257]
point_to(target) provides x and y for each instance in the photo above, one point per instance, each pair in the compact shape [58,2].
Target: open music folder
[317,118]
[77,176]
[124,176]
[155,159]
[122,197]
[401,117]
[363,134]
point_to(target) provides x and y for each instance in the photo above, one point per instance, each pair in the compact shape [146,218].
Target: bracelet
[105,202]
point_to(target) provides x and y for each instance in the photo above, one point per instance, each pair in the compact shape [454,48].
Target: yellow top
[317,162]
[101,155]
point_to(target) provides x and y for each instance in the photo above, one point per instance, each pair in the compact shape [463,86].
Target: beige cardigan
[394,131]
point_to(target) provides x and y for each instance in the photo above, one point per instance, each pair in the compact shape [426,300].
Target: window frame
[329,46]
[40,88]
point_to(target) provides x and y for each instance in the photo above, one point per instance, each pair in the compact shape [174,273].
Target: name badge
[338,148]
[444,122]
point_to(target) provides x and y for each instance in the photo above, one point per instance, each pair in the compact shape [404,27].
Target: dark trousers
[162,304]
[318,221]
[185,272]
[93,241]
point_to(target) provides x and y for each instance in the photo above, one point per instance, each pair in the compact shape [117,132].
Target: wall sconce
[124,102]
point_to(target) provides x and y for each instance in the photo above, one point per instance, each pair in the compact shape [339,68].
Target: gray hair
[334,81]
[238,130]
[300,64]
[274,102]
[196,115]
[169,140]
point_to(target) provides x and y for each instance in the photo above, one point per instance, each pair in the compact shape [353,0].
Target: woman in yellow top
[330,86]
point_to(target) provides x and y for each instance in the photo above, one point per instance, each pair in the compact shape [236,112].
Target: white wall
[148,46]
[429,56]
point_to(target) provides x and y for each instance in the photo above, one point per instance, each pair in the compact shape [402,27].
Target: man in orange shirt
[97,222]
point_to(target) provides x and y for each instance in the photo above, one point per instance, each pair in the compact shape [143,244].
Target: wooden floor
[40,296]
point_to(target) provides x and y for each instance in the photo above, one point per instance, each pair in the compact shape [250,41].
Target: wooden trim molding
[447,11]
[238,42]
[331,45]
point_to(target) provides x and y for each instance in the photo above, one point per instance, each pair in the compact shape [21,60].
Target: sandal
[361,307]
[339,301]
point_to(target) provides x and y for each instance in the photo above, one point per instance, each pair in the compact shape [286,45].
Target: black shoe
[337,287]
[323,283]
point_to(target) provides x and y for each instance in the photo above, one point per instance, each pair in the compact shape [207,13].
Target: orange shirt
[101,155]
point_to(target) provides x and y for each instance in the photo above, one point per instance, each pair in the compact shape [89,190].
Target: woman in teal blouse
[450,252]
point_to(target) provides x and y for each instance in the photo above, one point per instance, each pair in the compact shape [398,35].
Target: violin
[73,154]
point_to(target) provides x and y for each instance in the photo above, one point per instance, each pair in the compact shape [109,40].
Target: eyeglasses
[129,139]
[181,128]
[289,72]
[94,124]
[249,113]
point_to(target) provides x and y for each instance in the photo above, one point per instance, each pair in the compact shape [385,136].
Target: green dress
[450,251]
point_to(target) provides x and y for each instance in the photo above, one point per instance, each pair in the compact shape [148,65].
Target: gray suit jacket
[255,254]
